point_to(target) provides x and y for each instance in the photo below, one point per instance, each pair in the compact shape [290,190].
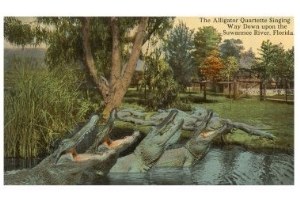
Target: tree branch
[137,45]
[116,51]
[102,85]
[156,25]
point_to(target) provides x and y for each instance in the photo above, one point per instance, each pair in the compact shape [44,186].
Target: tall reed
[40,106]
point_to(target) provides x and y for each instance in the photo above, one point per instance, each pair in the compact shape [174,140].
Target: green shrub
[162,88]
[40,106]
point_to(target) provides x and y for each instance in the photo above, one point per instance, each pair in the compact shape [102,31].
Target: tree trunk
[265,90]
[204,91]
[261,90]
[87,55]
[114,89]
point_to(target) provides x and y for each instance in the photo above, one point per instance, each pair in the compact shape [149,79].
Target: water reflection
[237,166]
[229,165]
[221,166]
[157,176]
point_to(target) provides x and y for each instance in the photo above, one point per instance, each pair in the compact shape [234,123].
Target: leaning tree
[107,47]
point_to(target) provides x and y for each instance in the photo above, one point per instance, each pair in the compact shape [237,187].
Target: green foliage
[206,39]
[282,63]
[177,48]
[158,26]
[230,68]
[65,44]
[275,62]
[162,89]
[89,43]
[62,35]
[16,32]
[231,47]
[290,61]
[40,107]
[264,66]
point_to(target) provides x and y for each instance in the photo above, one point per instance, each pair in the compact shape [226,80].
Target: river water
[227,165]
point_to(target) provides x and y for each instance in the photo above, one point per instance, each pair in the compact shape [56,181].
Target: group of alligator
[76,160]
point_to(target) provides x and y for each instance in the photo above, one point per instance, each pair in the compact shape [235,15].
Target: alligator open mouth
[68,146]
[105,149]
[102,146]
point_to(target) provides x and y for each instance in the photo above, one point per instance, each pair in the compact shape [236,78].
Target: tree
[162,88]
[248,59]
[230,68]
[289,68]
[290,63]
[231,47]
[275,63]
[177,48]
[113,90]
[283,64]
[16,32]
[108,48]
[265,63]
[212,66]
[206,39]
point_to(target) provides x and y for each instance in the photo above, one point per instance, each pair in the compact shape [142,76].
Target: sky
[257,25]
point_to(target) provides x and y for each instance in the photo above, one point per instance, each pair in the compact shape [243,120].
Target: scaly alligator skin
[205,124]
[191,120]
[152,146]
[65,166]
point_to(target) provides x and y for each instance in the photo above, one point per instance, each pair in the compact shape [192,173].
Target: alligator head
[158,139]
[101,149]
[200,142]
[68,145]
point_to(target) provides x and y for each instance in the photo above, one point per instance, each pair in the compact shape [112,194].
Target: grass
[282,97]
[39,107]
[275,118]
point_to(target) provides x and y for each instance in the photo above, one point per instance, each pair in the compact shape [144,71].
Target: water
[229,165]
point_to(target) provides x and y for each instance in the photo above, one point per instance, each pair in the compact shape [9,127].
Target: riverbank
[272,117]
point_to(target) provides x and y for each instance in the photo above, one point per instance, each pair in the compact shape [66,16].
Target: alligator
[192,121]
[66,167]
[152,146]
[206,124]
